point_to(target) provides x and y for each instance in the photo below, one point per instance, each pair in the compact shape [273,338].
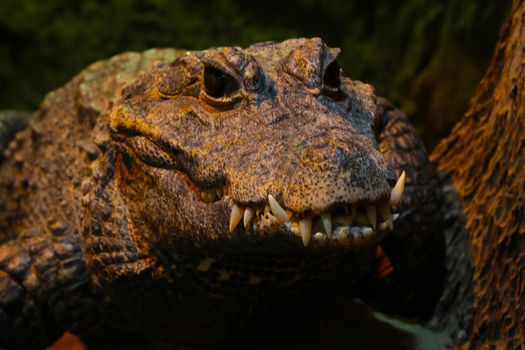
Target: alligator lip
[349,224]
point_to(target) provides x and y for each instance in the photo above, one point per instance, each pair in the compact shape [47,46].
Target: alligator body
[203,197]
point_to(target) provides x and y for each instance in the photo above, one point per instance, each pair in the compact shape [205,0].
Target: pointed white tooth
[354,235]
[397,191]
[367,231]
[277,210]
[326,218]
[236,216]
[319,236]
[382,226]
[386,215]
[248,217]
[371,212]
[305,226]
[295,230]
[342,232]
[395,216]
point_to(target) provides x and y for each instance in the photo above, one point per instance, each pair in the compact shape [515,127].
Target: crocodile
[203,197]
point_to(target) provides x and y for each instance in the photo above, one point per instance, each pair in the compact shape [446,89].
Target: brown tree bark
[484,159]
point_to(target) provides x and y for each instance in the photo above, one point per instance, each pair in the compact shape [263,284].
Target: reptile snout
[339,192]
[341,173]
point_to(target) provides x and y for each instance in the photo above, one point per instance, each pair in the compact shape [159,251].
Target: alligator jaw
[346,225]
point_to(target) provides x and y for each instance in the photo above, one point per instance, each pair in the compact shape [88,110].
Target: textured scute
[484,157]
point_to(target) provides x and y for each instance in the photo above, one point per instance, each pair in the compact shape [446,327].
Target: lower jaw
[346,233]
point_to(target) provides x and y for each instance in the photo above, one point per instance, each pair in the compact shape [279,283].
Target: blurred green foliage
[426,56]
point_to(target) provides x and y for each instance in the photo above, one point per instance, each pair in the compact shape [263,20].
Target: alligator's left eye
[220,87]
[332,81]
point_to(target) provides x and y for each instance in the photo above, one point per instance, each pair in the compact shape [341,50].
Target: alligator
[208,196]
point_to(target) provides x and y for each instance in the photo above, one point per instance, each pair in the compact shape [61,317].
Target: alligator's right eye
[218,85]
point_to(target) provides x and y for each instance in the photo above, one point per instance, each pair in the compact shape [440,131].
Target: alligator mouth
[343,223]
[349,224]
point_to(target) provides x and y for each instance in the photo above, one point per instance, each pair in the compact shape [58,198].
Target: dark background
[426,56]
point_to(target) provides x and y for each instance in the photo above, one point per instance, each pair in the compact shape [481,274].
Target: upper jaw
[344,224]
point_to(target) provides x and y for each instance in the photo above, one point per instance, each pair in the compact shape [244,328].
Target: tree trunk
[484,159]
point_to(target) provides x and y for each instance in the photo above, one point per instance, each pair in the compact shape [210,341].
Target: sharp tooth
[319,236]
[248,216]
[295,229]
[341,232]
[306,230]
[397,191]
[235,218]
[371,212]
[367,231]
[395,217]
[277,210]
[382,226]
[326,218]
[386,214]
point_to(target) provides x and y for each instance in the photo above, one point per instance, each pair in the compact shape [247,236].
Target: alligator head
[272,136]
[235,179]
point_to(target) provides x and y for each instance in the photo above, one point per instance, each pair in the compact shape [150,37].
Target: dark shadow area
[340,322]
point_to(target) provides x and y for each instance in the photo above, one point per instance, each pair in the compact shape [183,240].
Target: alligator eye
[331,77]
[219,84]
[332,81]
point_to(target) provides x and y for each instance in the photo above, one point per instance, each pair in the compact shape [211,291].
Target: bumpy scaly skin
[45,288]
[121,178]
